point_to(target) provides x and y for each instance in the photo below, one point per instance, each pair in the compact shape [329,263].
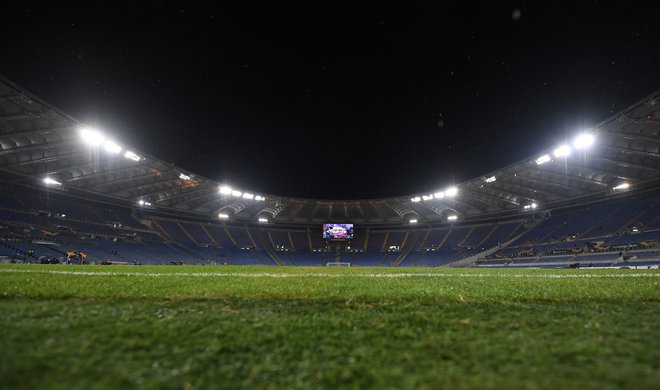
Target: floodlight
[263,220]
[248,196]
[439,195]
[451,191]
[427,197]
[223,216]
[226,190]
[143,203]
[49,181]
[562,151]
[415,199]
[543,159]
[622,186]
[413,221]
[236,193]
[532,205]
[112,147]
[91,136]
[183,176]
[132,156]
[583,141]
[259,198]
[490,179]
[452,217]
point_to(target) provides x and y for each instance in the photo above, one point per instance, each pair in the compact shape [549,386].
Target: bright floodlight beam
[543,159]
[452,218]
[132,156]
[247,195]
[263,220]
[51,182]
[236,193]
[223,216]
[415,199]
[225,190]
[112,147]
[92,137]
[413,221]
[583,141]
[622,186]
[451,191]
[562,151]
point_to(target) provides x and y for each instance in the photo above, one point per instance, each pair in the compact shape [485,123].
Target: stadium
[421,300]
[72,194]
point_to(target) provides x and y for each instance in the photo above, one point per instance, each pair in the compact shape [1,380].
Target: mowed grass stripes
[285,327]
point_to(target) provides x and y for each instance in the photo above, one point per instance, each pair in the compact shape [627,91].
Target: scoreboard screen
[337,231]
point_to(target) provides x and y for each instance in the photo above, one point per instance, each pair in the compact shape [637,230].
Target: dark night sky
[336,100]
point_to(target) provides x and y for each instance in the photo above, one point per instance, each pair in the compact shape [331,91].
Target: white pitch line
[324,275]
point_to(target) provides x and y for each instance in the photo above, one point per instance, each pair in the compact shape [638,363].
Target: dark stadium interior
[508,135]
[361,100]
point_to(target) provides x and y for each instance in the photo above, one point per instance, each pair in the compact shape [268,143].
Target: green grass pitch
[85,327]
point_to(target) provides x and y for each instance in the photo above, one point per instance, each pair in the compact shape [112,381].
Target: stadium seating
[617,232]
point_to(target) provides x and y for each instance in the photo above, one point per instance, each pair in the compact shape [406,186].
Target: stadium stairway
[472,260]
[261,240]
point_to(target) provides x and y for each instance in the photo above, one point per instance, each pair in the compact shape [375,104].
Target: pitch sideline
[326,275]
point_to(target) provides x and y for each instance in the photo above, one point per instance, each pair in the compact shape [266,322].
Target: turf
[267,327]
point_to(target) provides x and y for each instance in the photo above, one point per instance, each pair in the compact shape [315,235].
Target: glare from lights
[583,141]
[49,181]
[112,147]
[236,193]
[427,197]
[415,199]
[132,156]
[92,137]
[490,179]
[451,191]
[143,203]
[562,151]
[248,196]
[543,159]
[263,220]
[183,176]
[223,216]
[413,221]
[259,198]
[622,186]
[225,190]
[439,195]
[452,217]
[531,206]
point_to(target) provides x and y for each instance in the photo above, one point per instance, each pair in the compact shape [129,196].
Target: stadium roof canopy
[37,141]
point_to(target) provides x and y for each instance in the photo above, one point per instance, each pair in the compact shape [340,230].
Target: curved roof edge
[37,141]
